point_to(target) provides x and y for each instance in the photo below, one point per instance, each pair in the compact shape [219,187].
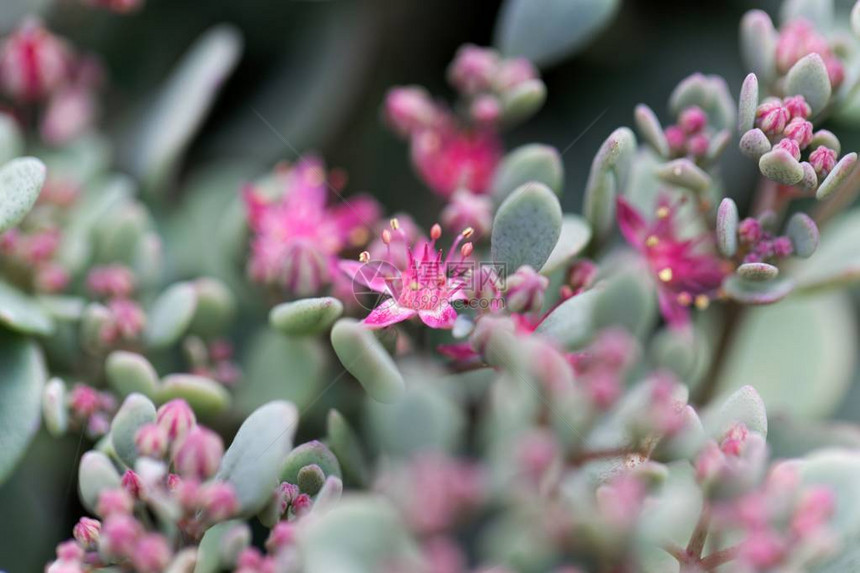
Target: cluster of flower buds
[451,153]
[120,319]
[279,555]
[214,360]
[797,39]
[296,234]
[603,366]
[91,409]
[38,67]
[689,137]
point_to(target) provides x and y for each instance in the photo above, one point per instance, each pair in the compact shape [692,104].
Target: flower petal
[631,223]
[388,313]
[442,316]
[367,274]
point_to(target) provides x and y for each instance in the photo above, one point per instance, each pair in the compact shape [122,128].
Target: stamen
[665,275]
[395,224]
[662,212]
[684,299]
[364,257]
[386,237]
[468,232]
[467,249]
[652,241]
[435,231]
[702,302]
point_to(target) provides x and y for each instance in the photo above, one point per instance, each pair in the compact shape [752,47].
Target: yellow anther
[684,299]
[662,212]
[395,224]
[364,256]
[702,302]
[468,232]
[665,275]
[652,241]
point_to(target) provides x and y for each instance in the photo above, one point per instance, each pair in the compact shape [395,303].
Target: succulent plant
[277,375]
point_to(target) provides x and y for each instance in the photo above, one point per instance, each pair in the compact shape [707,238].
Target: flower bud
[514,72]
[112,281]
[282,536]
[525,290]
[84,401]
[218,500]
[750,231]
[132,484]
[485,109]
[128,321]
[790,146]
[467,210]
[800,131]
[772,117]
[676,138]
[199,454]
[410,109]
[176,418]
[473,69]
[151,554]
[823,160]
[782,247]
[797,107]
[33,62]
[87,531]
[114,501]
[119,535]
[69,551]
[301,504]
[151,440]
[698,145]
[692,120]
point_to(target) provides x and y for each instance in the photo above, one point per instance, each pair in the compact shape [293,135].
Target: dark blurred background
[317,72]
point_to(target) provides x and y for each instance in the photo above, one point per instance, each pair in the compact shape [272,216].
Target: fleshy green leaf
[803,232]
[838,176]
[757,272]
[574,237]
[571,324]
[171,315]
[547,31]
[344,443]
[837,260]
[21,182]
[21,382]
[533,162]
[758,44]
[744,406]
[754,144]
[136,410]
[748,103]
[54,408]
[778,165]
[96,473]
[254,460]
[11,138]
[757,292]
[21,313]
[727,227]
[809,78]
[307,316]
[803,371]
[204,395]
[310,453]
[522,101]
[129,372]
[526,227]
[363,356]
[215,307]
[220,546]
[650,129]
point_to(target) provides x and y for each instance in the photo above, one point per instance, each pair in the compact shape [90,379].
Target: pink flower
[687,270]
[297,236]
[33,62]
[693,120]
[301,505]
[282,536]
[449,157]
[465,210]
[425,287]
[410,109]
[119,535]
[525,290]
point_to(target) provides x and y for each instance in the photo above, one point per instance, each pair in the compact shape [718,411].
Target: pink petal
[442,316]
[630,222]
[388,313]
[676,315]
[367,274]
[461,351]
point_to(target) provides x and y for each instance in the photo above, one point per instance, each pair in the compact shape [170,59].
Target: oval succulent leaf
[778,165]
[21,313]
[21,182]
[136,410]
[171,315]
[748,103]
[727,227]
[757,271]
[575,236]
[310,453]
[650,129]
[11,138]
[758,44]
[54,407]
[363,356]
[254,460]
[215,307]
[685,173]
[344,444]
[744,406]
[526,227]
[754,143]
[205,395]
[533,162]
[522,102]
[757,292]
[21,382]
[803,233]
[547,31]
[836,177]
[307,316]
[129,372]
[809,78]
[96,474]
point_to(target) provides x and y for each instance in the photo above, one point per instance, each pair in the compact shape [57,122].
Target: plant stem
[714,560]
[700,534]
[705,392]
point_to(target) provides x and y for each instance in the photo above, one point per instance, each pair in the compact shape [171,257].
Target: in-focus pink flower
[687,270]
[297,236]
[426,287]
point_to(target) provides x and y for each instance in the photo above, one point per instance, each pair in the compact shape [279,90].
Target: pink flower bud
[199,454]
[513,72]
[698,145]
[151,554]
[176,418]
[790,146]
[301,504]
[113,281]
[772,117]
[87,531]
[84,401]
[800,131]
[693,120]
[734,440]
[486,109]
[128,320]
[710,463]
[218,500]
[51,278]
[173,482]
[823,160]
[282,536]
[114,501]
[835,71]
[620,500]
[69,551]
[119,535]
[286,493]
[473,69]
[797,107]
[815,509]
[132,484]
[762,549]
[465,210]
[187,493]
[250,560]
[782,247]
[151,440]
[750,231]
[581,276]
[33,62]
[676,138]
[70,112]
[525,290]
[410,109]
